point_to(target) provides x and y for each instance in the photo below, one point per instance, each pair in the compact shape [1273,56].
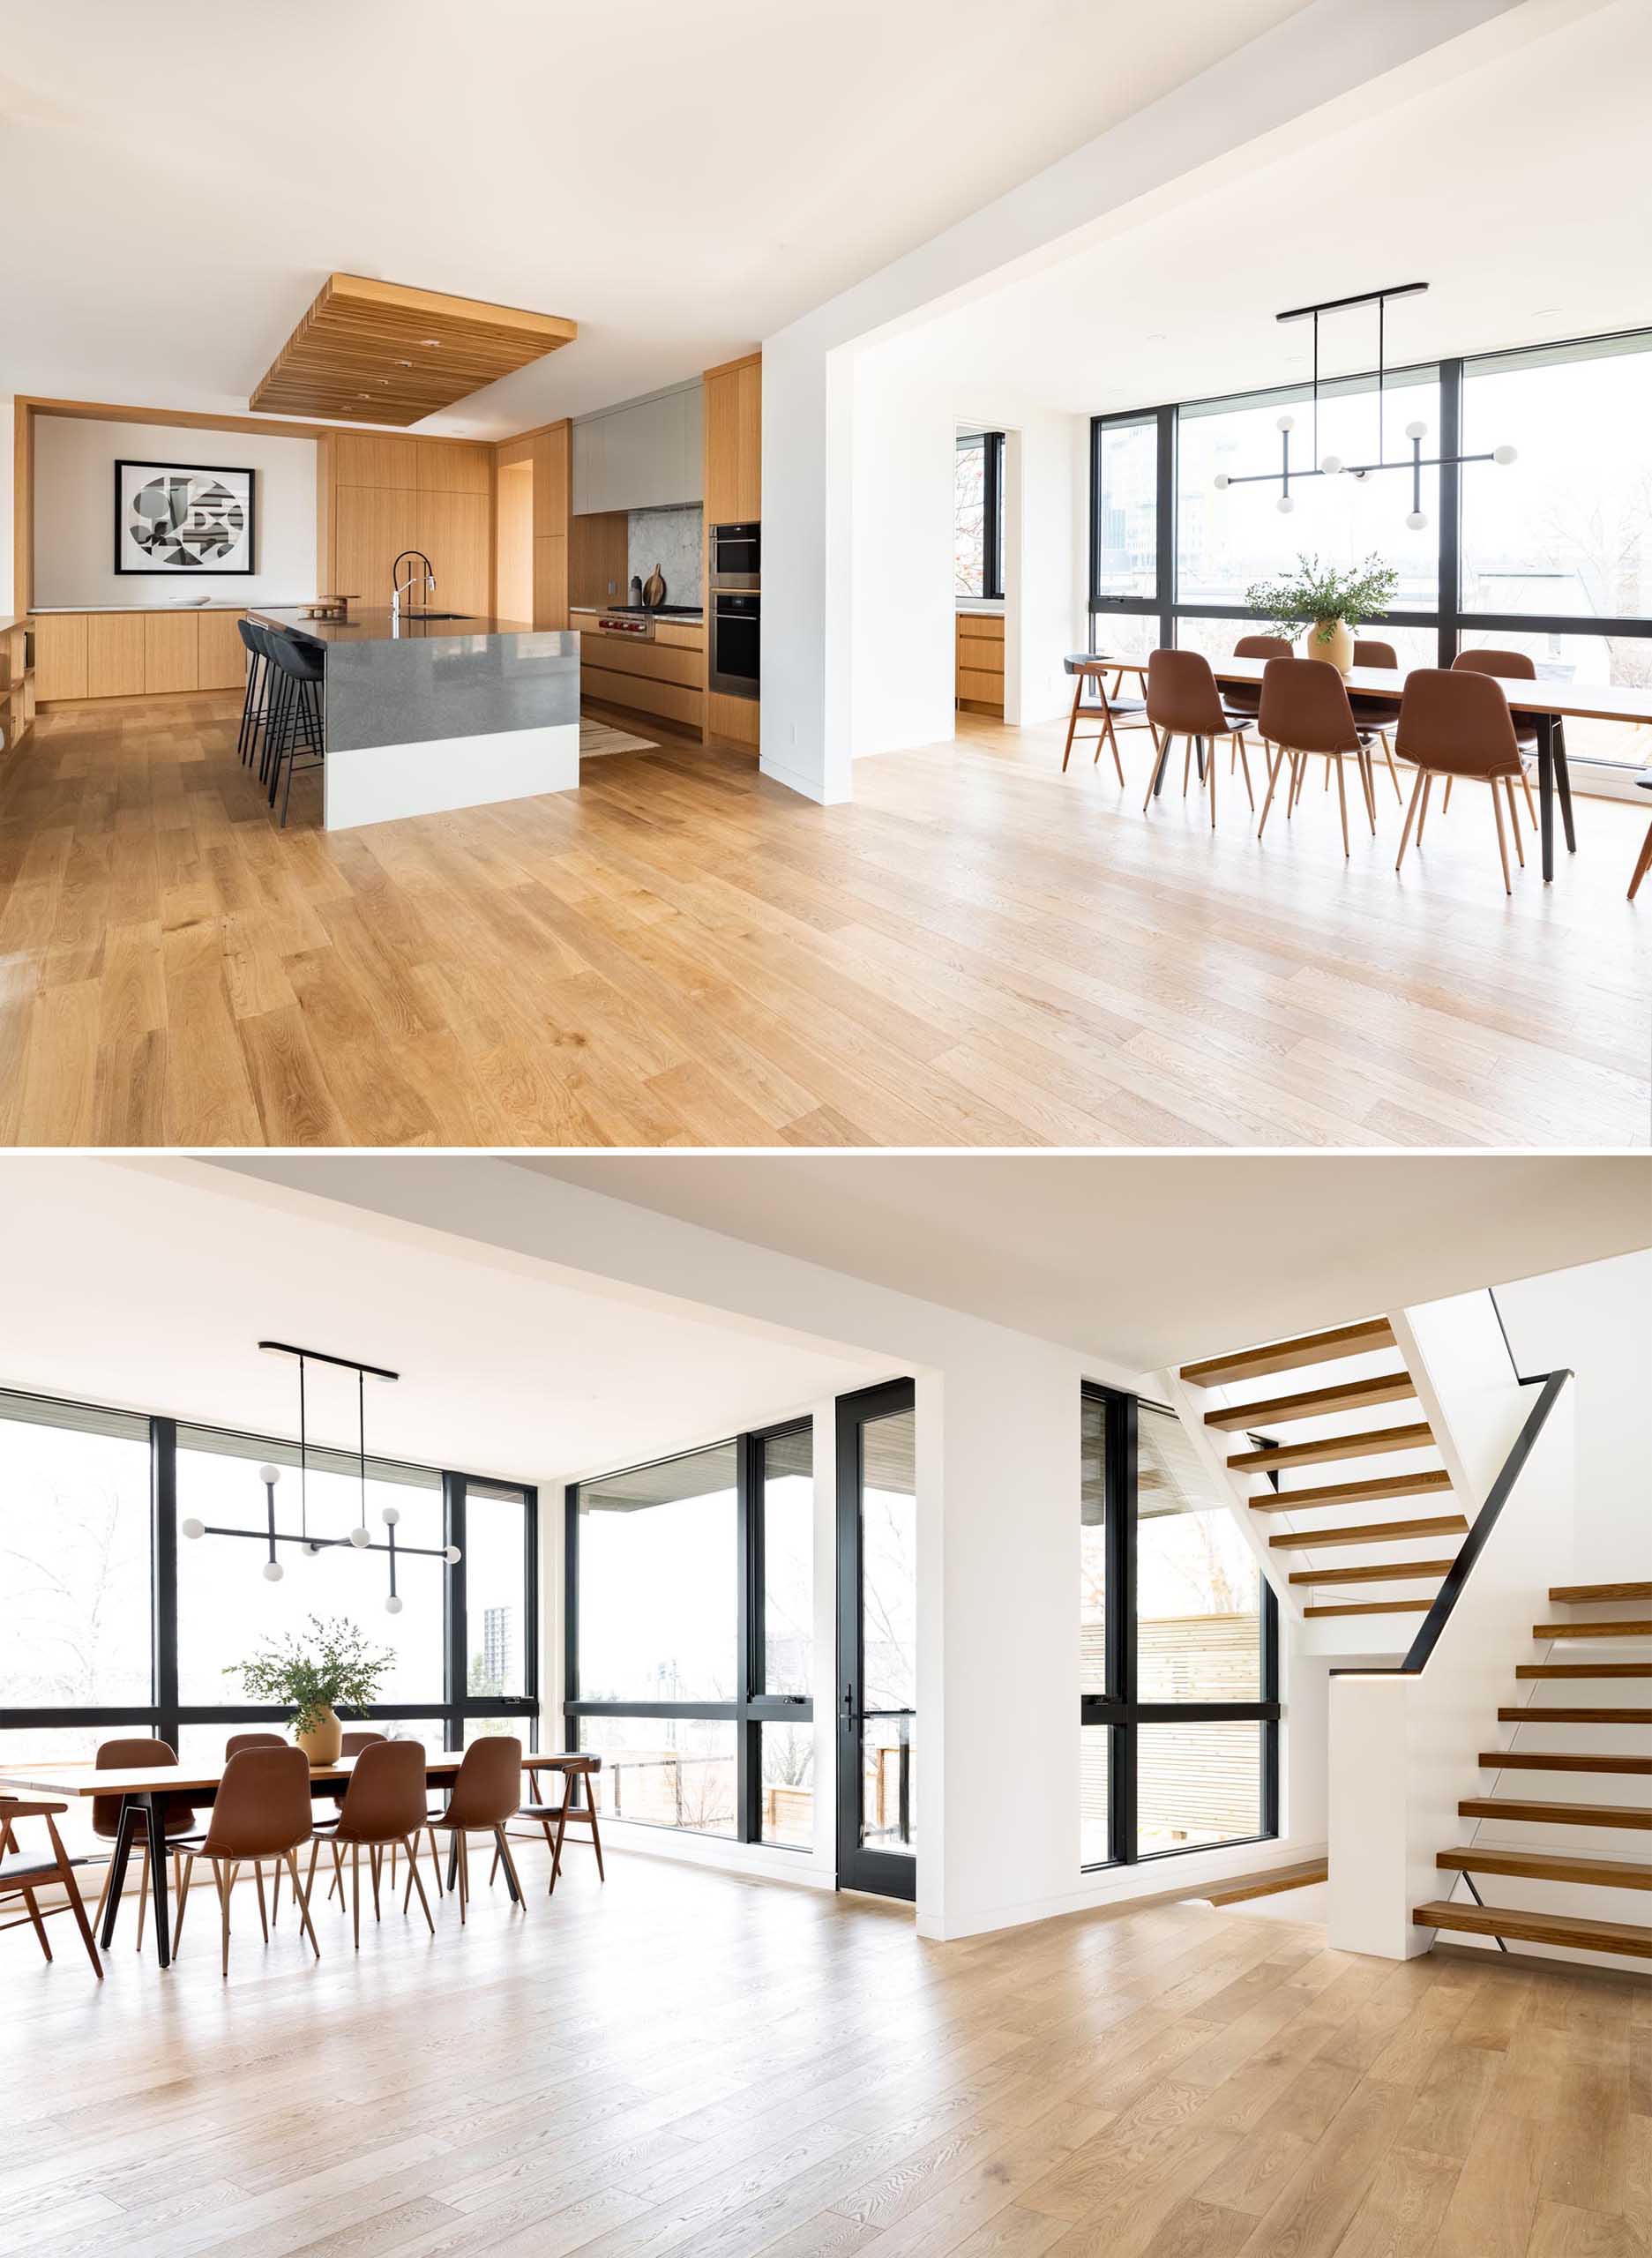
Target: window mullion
[163,1574]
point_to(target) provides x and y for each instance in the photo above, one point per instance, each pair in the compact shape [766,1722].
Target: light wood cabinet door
[114,655]
[721,394]
[451,467]
[60,655]
[453,534]
[749,422]
[371,526]
[223,655]
[374,459]
[172,651]
[551,470]
[551,580]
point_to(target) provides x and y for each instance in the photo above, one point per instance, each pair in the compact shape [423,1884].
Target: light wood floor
[978,952]
[687,2063]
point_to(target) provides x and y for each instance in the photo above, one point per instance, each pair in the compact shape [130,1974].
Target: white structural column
[1333,60]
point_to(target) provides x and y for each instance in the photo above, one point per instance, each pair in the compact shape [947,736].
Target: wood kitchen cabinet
[734,442]
[222,653]
[172,651]
[60,655]
[114,655]
[380,494]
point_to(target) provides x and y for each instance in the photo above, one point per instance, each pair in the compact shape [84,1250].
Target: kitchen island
[425,712]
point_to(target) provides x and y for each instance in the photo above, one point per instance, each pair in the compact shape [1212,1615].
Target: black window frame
[1118,1709]
[991,513]
[164,1714]
[755,1707]
[1451,622]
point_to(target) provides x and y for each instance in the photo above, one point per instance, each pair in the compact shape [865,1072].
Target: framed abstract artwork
[183,518]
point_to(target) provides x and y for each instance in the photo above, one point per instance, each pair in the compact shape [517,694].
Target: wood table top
[1566,701]
[166,1779]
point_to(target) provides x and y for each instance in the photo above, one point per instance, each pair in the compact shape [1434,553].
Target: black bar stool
[254,704]
[296,722]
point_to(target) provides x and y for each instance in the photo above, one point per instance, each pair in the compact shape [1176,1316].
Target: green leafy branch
[332,1668]
[1318,596]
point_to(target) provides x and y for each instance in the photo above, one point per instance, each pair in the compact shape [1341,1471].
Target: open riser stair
[1558,1842]
[1331,1458]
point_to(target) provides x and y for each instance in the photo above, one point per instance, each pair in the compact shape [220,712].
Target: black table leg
[1545,789]
[1199,752]
[1563,778]
[156,1814]
[510,1879]
[117,1869]
[452,1862]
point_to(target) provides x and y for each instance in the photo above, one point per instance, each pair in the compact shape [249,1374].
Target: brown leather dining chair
[350,1744]
[1183,701]
[384,1805]
[262,1811]
[487,1790]
[1374,713]
[1644,863]
[119,1756]
[1453,724]
[1306,715]
[26,1879]
[1509,666]
[1246,697]
[233,1746]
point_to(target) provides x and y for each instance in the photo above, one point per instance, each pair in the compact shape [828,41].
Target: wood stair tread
[1547,1865]
[1584,1594]
[1583,1670]
[1515,1714]
[1316,1402]
[1555,1814]
[1374,1532]
[1567,1929]
[1560,1759]
[1376,1607]
[1240,1893]
[1373,1442]
[1352,1493]
[1379,1572]
[1631,1626]
[1361,1340]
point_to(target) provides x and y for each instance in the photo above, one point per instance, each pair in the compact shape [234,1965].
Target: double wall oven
[736,601]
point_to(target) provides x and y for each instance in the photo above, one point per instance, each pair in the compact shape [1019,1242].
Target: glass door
[877,1846]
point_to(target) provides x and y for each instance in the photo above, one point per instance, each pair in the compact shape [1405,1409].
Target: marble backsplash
[672,539]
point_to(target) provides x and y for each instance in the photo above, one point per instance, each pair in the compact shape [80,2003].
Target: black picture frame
[236,471]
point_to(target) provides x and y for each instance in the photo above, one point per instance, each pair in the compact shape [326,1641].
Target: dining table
[1549,705]
[146,1789]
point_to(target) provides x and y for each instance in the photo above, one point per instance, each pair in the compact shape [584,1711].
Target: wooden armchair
[25,1881]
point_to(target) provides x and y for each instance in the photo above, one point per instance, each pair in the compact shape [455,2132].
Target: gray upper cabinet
[641,458]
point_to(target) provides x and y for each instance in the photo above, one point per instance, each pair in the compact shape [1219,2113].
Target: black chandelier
[1331,465]
[359,1539]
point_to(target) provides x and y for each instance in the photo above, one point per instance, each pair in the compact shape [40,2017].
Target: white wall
[1596,1320]
[74,503]
[8,428]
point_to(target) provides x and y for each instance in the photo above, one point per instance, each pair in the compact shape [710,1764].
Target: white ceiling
[1146,1262]
[148,1285]
[178,178]
[1519,194]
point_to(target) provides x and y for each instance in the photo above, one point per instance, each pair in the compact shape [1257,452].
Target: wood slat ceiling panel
[382,352]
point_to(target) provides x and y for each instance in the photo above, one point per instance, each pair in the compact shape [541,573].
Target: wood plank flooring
[686,2062]
[978,952]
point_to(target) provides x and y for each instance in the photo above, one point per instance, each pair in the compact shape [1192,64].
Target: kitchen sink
[436,615]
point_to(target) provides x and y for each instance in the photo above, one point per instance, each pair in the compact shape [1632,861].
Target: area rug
[597,738]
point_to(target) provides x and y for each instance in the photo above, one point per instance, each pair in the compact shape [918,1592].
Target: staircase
[1376,1540]
[1607,1740]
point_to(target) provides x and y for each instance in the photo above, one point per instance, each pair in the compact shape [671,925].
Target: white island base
[377,783]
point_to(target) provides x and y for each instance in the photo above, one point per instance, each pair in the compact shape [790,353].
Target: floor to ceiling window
[691,1638]
[1550,555]
[116,1621]
[1178,1708]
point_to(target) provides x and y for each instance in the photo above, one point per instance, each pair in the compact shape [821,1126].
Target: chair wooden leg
[1428,786]
[275,1892]
[1368,784]
[1513,818]
[71,1890]
[1531,805]
[1273,774]
[264,1913]
[374,1856]
[436,1863]
[1187,766]
[1112,739]
[1642,865]
[1160,753]
[109,1871]
[1210,771]
[338,1872]
[1243,751]
[40,1926]
[1410,815]
[1387,747]
[1072,723]
[1445,804]
[415,1881]
[1502,843]
[224,1887]
[184,1899]
[355,1889]
[309,1877]
[303,1903]
[596,1840]
[1342,796]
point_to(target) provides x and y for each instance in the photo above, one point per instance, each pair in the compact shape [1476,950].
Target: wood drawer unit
[666,676]
[60,655]
[979,650]
[114,655]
